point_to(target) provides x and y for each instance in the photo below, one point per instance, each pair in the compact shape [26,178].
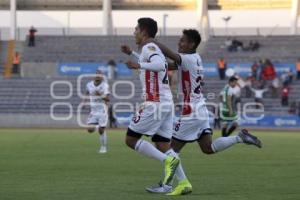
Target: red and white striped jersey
[155,84]
[190,81]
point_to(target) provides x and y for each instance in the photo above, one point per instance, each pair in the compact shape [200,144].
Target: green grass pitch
[62,164]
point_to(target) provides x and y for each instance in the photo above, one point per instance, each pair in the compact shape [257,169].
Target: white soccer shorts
[100,119]
[154,118]
[190,127]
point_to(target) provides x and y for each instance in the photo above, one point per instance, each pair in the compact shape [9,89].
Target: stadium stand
[102,48]
[34,96]
[277,48]
[82,48]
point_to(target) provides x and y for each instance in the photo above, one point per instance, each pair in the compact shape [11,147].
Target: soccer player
[193,124]
[98,92]
[155,115]
[228,110]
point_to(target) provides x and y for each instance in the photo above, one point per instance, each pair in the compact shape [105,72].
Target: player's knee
[132,138]
[90,130]
[101,130]
[207,150]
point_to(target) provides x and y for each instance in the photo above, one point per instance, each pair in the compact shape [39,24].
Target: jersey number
[201,83]
[165,79]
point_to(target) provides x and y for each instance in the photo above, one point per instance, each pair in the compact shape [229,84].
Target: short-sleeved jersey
[190,81]
[96,101]
[227,92]
[155,84]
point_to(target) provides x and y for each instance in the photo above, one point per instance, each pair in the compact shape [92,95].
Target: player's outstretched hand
[133,65]
[126,49]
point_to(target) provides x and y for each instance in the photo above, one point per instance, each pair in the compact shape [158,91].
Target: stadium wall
[276,21]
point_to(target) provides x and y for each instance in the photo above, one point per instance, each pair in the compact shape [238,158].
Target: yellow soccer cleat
[184,187]
[171,164]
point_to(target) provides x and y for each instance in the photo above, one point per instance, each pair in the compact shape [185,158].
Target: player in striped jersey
[155,116]
[193,124]
[228,112]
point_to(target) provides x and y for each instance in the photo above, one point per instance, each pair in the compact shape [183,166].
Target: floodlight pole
[165,24]
[295,16]
[107,18]
[13,13]
[203,19]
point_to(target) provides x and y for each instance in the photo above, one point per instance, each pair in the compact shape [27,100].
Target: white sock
[179,173]
[147,149]
[103,139]
[223,143]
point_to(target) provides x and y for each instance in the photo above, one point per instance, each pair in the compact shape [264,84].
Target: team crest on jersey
[151,48]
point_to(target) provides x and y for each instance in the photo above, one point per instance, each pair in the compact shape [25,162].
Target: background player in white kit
[98,92]
[155,116]
[193,124]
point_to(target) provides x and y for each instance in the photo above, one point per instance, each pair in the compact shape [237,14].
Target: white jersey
[155,84]
[190,81]
[96,93]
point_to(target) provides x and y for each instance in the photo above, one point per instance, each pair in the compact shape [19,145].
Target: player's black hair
[192,36]
[232,79]
[149,25]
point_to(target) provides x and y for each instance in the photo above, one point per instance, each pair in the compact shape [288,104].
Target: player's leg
[160,187]
[102,139]
[184,186]
[92,122]
[224,128]
[102,121]
[231,127]
[209,146]
[91,129]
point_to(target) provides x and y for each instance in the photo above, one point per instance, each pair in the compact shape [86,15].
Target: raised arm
[168,52]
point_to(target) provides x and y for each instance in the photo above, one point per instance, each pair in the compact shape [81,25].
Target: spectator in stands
[254,70]
[258,95]
[293,108]
[111,69]
[228,43]
[269,77]
[32,32]
[237,45]
[287,77]
[285,96]
[221,63]
[298,69]
[248,84]
[16,63]
[255,46]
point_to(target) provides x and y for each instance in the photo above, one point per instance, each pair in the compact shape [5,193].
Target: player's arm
[156,64]
[85,99]
[172,66]
[127,50]
[168,52]
[106,94]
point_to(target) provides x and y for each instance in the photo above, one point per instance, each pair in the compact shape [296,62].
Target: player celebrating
[193,124]
[156,113]
[228,112]
[98,92]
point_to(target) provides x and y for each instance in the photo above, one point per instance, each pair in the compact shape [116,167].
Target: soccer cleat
[171,164]
[159,188]
[103,149]
[249,139]
[184,187]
